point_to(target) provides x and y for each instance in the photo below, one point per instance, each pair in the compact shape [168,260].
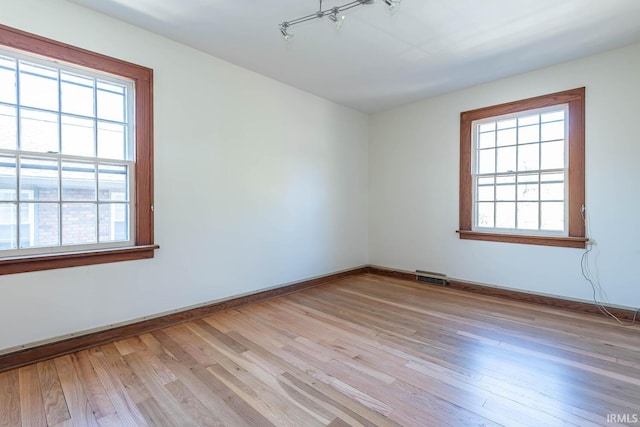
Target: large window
[76,156]
[522,171]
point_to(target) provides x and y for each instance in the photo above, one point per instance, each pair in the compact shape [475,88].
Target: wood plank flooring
[367,350]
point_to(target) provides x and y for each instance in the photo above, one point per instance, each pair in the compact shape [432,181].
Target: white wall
[257,184]
[414,164]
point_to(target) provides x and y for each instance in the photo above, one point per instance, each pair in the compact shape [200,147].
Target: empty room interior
[319,213]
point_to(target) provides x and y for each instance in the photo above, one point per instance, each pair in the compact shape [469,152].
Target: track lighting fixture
[332,14]
[283,30]
[338,20]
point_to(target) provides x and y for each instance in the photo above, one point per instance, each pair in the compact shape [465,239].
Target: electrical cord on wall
[593,281]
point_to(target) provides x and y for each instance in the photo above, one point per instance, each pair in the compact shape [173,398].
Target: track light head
[393,5]
[338,20]
[283,30]
[334,14]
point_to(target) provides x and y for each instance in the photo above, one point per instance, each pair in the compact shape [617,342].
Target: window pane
[528,191]
[552,191]
[505,192]
[78,136]
[509,123]
[112,141]
[528,178]
[8,178]
[8,223]
[506,179]
[78,181]
[552,155]
[552,176]
[506,159]
[486,127]
[39,131]
[528,216]
[41,177]
[486,161]
[552,131]
[38,86]
[113,183]
[485,194]
[527,134]
[552,116]
[26,195]
[8,127]
[528,157]
[26,224]
[505,215]
[507,137]
[485,214]
[552,216]
[114,222]
[7,80]
[76,94]
[45,224]
[111,102]
[528,120]
[486,180]
[79,223]
[487,140]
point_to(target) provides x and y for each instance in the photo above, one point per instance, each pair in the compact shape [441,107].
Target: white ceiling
[378,61]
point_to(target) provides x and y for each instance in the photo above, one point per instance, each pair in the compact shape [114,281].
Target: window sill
[566,242]
[25,264]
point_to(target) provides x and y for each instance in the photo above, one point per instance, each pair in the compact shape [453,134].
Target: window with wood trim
[522,171]
[76,156]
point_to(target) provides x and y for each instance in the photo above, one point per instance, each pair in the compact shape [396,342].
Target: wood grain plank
[275,407]
[78,405]
[302,385]
[248,413]
[128,378]
[217,399]
[347,408]
[188,341]
[31,405]
[338,422]
[93,388]
[170,407]
[10,398]
[164,374]
[123,403]
[55,406]
[192,405]
[111,420]
[156,415]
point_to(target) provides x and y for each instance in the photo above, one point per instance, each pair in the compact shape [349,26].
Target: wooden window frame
[144,245]
[575,98]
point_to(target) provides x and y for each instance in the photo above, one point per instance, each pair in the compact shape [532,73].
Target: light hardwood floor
[367,350]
